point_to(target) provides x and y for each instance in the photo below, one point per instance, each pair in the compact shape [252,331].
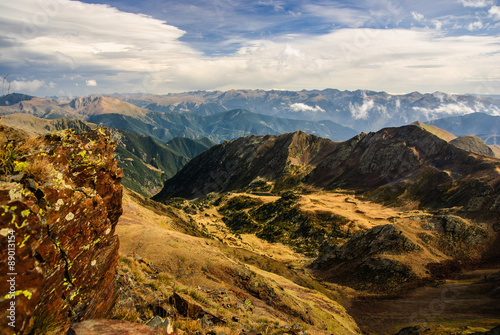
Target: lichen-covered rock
[61,209]
[112,327]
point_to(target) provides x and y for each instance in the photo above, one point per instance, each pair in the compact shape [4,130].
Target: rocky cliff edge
[60,200]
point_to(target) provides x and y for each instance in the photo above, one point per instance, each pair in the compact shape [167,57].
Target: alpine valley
[252,212]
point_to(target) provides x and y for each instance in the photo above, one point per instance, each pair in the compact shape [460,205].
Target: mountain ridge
[362,110]
[394,164]
[164,126]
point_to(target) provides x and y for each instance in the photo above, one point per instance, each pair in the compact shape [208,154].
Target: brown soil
[464,301]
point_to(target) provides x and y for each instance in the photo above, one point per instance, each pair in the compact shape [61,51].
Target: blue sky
[75,48]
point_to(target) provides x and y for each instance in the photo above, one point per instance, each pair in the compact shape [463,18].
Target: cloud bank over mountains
[63,47]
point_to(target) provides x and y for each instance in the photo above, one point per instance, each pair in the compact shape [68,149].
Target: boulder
[61,221]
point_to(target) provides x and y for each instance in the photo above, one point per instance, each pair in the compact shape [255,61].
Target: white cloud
[277,5]
[76,35]
[91,82]
[475,26]
[495,12]
[136,53]
[361,111]
[301,107]
[417,16]
[476,3]
[338,14]
[437,24]
[445,110]
[23,86]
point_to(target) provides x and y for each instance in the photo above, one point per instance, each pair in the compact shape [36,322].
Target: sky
[76,48]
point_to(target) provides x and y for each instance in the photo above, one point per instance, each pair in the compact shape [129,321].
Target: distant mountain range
[164,126]
[361,110]
[158,135]
[480,124]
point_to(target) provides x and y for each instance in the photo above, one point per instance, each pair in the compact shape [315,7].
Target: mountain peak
[235,164]
[441,133]
[14,98]
[405,160]
[79,103]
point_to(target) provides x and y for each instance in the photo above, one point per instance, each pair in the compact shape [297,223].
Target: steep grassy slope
[178,254]
[188,147]
[199,246]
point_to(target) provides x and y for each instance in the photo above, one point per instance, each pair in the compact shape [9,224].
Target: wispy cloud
[361,111]
[476,3]
[417,16]
[82,44]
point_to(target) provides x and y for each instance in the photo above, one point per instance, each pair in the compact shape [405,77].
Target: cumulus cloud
[495,12]
[91,82]
[26,86]
[445,110]
[475,25]
[301,107]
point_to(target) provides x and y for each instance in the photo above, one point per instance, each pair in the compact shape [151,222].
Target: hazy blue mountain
[480,124]
[219,127]
[14,98]
[218,124]
[361,110]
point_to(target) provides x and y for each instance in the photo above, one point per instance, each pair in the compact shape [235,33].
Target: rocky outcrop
[58,215]
[79,103]
[113,327]
[473,144]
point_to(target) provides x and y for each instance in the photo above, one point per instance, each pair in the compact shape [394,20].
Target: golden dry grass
[40,169]
[195,264]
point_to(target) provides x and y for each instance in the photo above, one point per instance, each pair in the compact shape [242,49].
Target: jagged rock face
[78,103]
[473,144]
[66,251]
[410,162]
[235,164]
[374,159]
